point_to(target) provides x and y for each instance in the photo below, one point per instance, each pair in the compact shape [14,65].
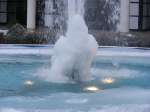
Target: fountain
[73,54]
[115,70]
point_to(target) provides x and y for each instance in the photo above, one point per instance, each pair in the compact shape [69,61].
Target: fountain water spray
[75,7]
[72,55]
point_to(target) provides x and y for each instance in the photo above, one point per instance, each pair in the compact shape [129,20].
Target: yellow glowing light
[28,83]
[108,80]
[92,88]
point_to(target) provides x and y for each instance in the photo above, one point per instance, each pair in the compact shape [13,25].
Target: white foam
[116,73]
[124,53]
[9,110]
[76,101]
[123,108]
[72,55]
[120,108]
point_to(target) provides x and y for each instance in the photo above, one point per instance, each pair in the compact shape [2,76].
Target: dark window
[13,11]
[140,15]
[3,11]
[145,15]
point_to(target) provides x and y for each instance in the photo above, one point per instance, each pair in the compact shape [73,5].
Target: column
[31,14]
[124,16]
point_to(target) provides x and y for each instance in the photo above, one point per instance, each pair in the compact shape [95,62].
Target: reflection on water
[92,89]
[28,83]
[108,80]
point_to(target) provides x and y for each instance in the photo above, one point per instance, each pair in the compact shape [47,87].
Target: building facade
[109,15]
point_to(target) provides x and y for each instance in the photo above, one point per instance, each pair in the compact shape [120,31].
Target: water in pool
[119,84]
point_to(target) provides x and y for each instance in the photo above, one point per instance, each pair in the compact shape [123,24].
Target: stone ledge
[131,39]
[104,38]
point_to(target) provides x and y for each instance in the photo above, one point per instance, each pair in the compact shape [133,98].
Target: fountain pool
[120,82]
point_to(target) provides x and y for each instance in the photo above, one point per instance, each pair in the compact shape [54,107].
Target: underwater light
[28,83]
[92,88]
[108,80]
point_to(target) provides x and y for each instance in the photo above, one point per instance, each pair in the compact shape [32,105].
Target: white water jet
[72,55]
[75,7]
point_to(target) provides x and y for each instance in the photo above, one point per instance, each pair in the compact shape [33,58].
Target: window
[13,11]
[140,15]
[3,11]
[134,14]
[146,15]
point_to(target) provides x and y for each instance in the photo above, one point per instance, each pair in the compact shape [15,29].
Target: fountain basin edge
[30,49]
